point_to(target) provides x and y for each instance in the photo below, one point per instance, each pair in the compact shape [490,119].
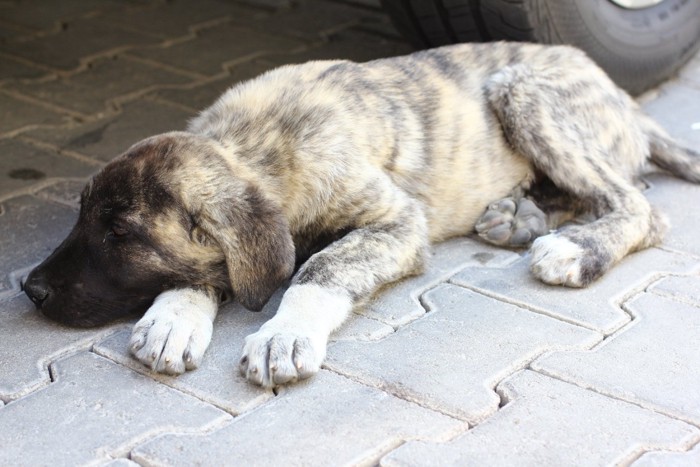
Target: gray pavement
[473,362]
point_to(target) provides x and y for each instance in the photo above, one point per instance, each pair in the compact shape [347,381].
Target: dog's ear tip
[254,298]
[255,307]
[253,303]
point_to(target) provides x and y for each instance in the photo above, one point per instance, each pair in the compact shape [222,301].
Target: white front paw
[274,355]
[175,332]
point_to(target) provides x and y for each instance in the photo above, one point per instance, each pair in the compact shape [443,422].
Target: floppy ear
[257,244]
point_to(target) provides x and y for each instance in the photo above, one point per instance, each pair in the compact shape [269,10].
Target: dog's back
[427,122]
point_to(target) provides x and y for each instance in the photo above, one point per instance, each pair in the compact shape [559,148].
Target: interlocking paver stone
[217,380]
[549,422]
[661,358]
[669,459]
[399,303]
[30,229]
[22,166]
[65,192]
[341,45]
[24,368]
[677,110]
[682,288]
[322,421]
[65,49]
[16,113]
[42,15]
[677,199]
[95,408]
[344,45]
[11,69]
[360,328]
[596,306]
[201,95]
[204,54]
[173,19]
[88,92]
[11,31]
[108,137]
[458,352]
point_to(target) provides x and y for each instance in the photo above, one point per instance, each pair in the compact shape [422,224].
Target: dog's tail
[666,153]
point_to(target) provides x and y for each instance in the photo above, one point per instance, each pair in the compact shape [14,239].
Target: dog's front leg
[176,330]
[292,345]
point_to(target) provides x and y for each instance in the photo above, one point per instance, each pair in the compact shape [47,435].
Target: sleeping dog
[340,175]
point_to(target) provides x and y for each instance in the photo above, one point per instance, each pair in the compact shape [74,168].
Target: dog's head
[171,212]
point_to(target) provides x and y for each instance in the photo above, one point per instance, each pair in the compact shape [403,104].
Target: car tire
[638,48]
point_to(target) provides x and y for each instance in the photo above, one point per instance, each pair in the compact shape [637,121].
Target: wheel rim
[636,4]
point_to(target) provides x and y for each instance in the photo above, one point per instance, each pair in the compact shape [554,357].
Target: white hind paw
[557,260]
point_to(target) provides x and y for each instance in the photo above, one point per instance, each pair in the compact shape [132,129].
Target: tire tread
[431,23]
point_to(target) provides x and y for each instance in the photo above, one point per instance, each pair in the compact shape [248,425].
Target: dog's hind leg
[568,124]
[389,243]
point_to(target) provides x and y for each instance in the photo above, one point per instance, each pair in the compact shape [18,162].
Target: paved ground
[472,363]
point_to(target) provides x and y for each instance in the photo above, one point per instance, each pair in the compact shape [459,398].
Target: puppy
[345,173]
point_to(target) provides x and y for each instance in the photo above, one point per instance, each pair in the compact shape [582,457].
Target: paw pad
[511,222]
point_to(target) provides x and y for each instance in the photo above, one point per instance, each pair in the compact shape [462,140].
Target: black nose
[37,289]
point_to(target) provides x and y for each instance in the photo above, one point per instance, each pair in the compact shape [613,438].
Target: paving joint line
[679,252]
[62,151]
[36,187]
[84,62]
[169,103]
[165,67]
[11,24]
[373,456]
[116,104]
[526,306]
[58,27]
[376,320]
[635,454]
[8,294]
[675,298]
[26,62]
[47,361]
[209,24]
[130,363]
[444,280]
[31,35]
[617,301]
[253,56]
[125,449]
[176,105]
[191,34]
[666,450]
[46,105]
[34,126]
[378,384]
[649,406]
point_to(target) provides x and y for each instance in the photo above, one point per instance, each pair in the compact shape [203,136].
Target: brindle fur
[351,171]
